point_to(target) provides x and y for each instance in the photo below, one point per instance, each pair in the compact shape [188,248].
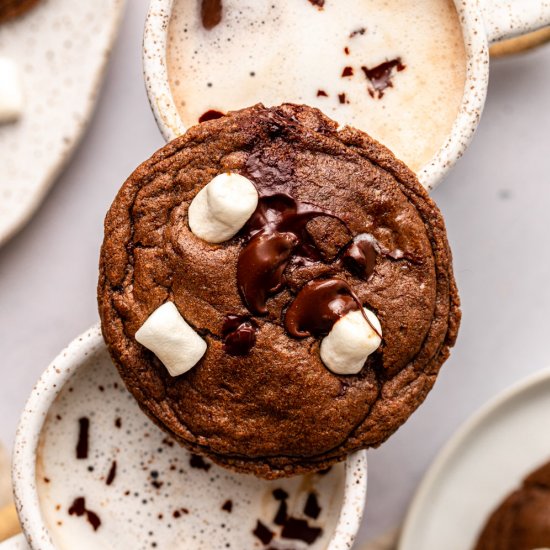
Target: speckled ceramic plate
[61,47]
[483,462]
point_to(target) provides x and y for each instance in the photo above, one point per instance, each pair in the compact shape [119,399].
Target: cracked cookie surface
[278,411]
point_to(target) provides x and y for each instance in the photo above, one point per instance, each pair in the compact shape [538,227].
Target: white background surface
[496,203]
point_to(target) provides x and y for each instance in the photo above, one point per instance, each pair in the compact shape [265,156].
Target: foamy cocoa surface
[391,68]
[110,479]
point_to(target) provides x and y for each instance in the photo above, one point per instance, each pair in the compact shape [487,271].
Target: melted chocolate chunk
[263,533]
[112,474]
[318,305]
[211,13]
[196,461]
[312,508]
[318,3]
[261,266]
[83,436]
[299,529]
[348,71]
[239,334]
[360,256]
[321,93]
[278,231]
[211,115]
[78,508]
[381,76]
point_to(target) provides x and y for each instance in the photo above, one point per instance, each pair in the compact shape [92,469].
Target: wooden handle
[9,522]
[521,43]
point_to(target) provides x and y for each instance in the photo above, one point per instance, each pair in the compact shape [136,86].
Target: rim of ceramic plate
[464,127]
[457,442]
[45,392]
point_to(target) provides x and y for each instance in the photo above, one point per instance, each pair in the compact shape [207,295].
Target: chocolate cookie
[14,8]
[522,521]
[339,223]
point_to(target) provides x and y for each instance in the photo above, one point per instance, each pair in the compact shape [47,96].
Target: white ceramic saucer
[61,48]
[485,460]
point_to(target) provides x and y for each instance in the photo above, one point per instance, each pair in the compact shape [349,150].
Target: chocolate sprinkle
[83,435]
[228,506]
[348,71]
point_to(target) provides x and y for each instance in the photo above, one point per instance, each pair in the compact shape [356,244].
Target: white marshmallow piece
[171,339]
[222,207]
[346,347]
[11,94]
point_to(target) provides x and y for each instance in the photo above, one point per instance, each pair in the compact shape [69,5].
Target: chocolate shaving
[83,436]
[263,533]
[381,76]
[212,114]
[211,13]
[112,474]
[312,508]
[299,529]
[78,508]
[196,461]
[358,32]
[282,513]
[280,494]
